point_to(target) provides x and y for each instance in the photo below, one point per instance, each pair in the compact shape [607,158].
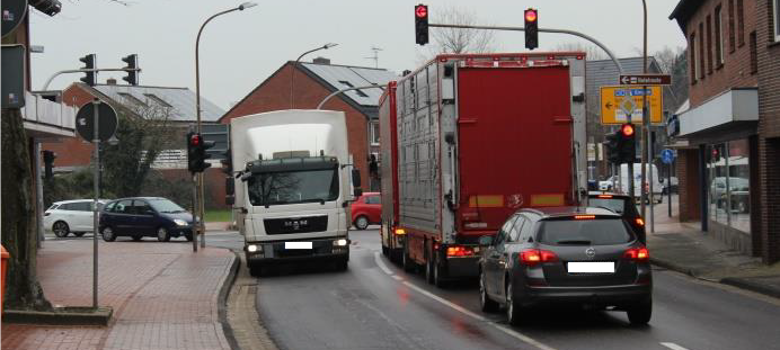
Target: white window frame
[776,26]
[720,56]
[696,58]
[373,128]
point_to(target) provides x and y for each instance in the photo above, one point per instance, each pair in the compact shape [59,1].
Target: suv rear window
[584,232]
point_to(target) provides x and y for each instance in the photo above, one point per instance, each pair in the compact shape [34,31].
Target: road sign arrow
[624,80]
[608,105]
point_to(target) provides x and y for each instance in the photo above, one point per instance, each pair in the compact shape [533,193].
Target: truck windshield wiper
[574,242]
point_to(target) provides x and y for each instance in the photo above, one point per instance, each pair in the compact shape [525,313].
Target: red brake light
[637,254]
[584,217]
[459,251]
[606,196]
[533,257]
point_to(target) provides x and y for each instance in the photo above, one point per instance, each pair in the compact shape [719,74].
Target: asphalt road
[375,305]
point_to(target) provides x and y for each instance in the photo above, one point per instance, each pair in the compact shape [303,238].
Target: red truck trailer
[469,139]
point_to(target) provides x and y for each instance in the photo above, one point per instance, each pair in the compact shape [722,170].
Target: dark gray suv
[573,256]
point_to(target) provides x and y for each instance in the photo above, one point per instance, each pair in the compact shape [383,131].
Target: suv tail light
[459,251]
[533,257]
[637,254]
[640,222]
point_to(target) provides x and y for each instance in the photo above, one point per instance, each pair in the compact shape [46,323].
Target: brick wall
[687,167]
[735,71]
[274,94]
[72,151]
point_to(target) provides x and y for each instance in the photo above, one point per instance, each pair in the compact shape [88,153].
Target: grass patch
[218,215]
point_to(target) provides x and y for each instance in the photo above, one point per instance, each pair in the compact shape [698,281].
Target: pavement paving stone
[163,295]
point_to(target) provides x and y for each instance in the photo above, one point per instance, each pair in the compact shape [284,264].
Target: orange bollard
[4,255]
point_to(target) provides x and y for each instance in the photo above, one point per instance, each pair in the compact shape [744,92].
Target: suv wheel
[60,229]
[512,308]
[108,234]
[487,304]
[163,235]
[640,314]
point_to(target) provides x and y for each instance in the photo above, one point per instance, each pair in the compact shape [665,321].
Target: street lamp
[295,65]
[200,190]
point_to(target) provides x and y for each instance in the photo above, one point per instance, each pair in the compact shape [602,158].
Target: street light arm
[295,65]
[322,103]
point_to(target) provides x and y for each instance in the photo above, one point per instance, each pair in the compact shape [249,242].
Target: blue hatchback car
[145,216]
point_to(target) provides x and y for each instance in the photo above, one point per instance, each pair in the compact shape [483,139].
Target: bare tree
[592,52]
[456,40]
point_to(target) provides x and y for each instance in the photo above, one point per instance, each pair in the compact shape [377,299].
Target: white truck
[292,186]
[657,185]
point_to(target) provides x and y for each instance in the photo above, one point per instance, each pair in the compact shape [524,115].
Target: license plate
[591,267]
[297,245]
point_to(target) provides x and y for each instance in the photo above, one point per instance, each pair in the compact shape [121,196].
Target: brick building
[729,173]
[311,83]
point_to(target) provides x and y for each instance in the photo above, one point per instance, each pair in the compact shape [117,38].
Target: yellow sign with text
[618,102]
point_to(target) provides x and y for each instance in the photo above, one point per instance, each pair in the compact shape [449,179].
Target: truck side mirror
[356,178]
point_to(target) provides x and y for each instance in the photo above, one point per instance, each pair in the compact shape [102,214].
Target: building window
[158,100]
[374,133]
[694,62]
[753,53]
[776,12]
[740,23]
[135,102]
[709,45]
[729,186]
[732,36]
[718,38]
[702,62]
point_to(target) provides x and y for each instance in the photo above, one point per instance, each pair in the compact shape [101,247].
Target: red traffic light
[530,15]
[195,140]
[421,11]
[627,130]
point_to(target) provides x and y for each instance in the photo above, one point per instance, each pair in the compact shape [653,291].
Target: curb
[67,316]
[751,286]
[672,266]
[224,292]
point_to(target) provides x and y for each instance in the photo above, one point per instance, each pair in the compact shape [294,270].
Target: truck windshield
[293,187]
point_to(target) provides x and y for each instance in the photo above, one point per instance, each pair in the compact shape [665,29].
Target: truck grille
[296,225]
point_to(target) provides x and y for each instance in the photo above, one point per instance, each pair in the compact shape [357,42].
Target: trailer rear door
[515,142]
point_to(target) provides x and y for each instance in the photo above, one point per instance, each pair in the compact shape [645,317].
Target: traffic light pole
[541,30]
[95,211]
[46,85]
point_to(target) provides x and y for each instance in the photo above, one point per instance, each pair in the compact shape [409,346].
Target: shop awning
[732,106]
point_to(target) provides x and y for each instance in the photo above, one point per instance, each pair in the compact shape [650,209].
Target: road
[375,305]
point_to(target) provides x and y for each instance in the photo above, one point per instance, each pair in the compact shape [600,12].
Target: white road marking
[381,264]
[397,278]
[673,346]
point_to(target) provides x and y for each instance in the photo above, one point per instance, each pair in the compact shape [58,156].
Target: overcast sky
[241,49]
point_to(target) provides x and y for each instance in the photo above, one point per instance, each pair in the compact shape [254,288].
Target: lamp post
[200,191]
[295,65]
[645,134]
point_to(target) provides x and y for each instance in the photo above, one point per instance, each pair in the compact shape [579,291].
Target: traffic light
[90,78]
[131,69]
[196,153]
[627,143]
[613,146]
[531,29]
[48,163]
[421,24]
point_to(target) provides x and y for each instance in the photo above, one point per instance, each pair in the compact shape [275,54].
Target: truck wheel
[255,270]
[385,251]
[439,278]
[342,264]
[407,262]
[430,265]
[361,223]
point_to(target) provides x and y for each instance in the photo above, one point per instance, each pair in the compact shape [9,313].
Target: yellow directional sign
[617,102]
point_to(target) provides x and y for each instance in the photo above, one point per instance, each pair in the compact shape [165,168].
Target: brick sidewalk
[163,295]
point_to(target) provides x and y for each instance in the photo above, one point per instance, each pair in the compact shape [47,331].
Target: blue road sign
[667,156]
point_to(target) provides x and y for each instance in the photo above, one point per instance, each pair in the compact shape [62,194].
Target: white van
[657,185]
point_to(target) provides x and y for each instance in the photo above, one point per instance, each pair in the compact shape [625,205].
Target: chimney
[321,60]
[111,81]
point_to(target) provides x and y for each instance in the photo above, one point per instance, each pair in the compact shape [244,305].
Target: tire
[406,261]
[137,237]
[385,251]
[430,266]
[79,234]
[640,314]
[342,264]
[255,270]
[513,312]
[438,276]
[361,223]
[487,304]
[108,234]
[60,229]
[163,235]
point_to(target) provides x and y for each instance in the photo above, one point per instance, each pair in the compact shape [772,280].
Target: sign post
[96,122]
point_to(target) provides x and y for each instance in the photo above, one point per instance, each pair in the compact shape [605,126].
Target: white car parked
[71,216]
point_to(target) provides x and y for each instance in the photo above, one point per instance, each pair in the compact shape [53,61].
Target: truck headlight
[340,242]
[180,222]
[252,248]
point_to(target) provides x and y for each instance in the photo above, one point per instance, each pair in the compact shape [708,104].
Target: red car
[367,210]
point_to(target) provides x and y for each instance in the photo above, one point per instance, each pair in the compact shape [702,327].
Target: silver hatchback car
[574,256]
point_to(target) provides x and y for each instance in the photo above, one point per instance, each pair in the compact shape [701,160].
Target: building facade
[304,85]
[728,170]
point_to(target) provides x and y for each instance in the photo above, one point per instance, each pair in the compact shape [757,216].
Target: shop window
[729,185]
[374,133]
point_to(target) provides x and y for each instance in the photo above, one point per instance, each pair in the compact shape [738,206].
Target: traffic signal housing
[90,78]
[613,148]
[131,69]
[421,24]
[48,163]
[627,143]
[196,152]
[531,28]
